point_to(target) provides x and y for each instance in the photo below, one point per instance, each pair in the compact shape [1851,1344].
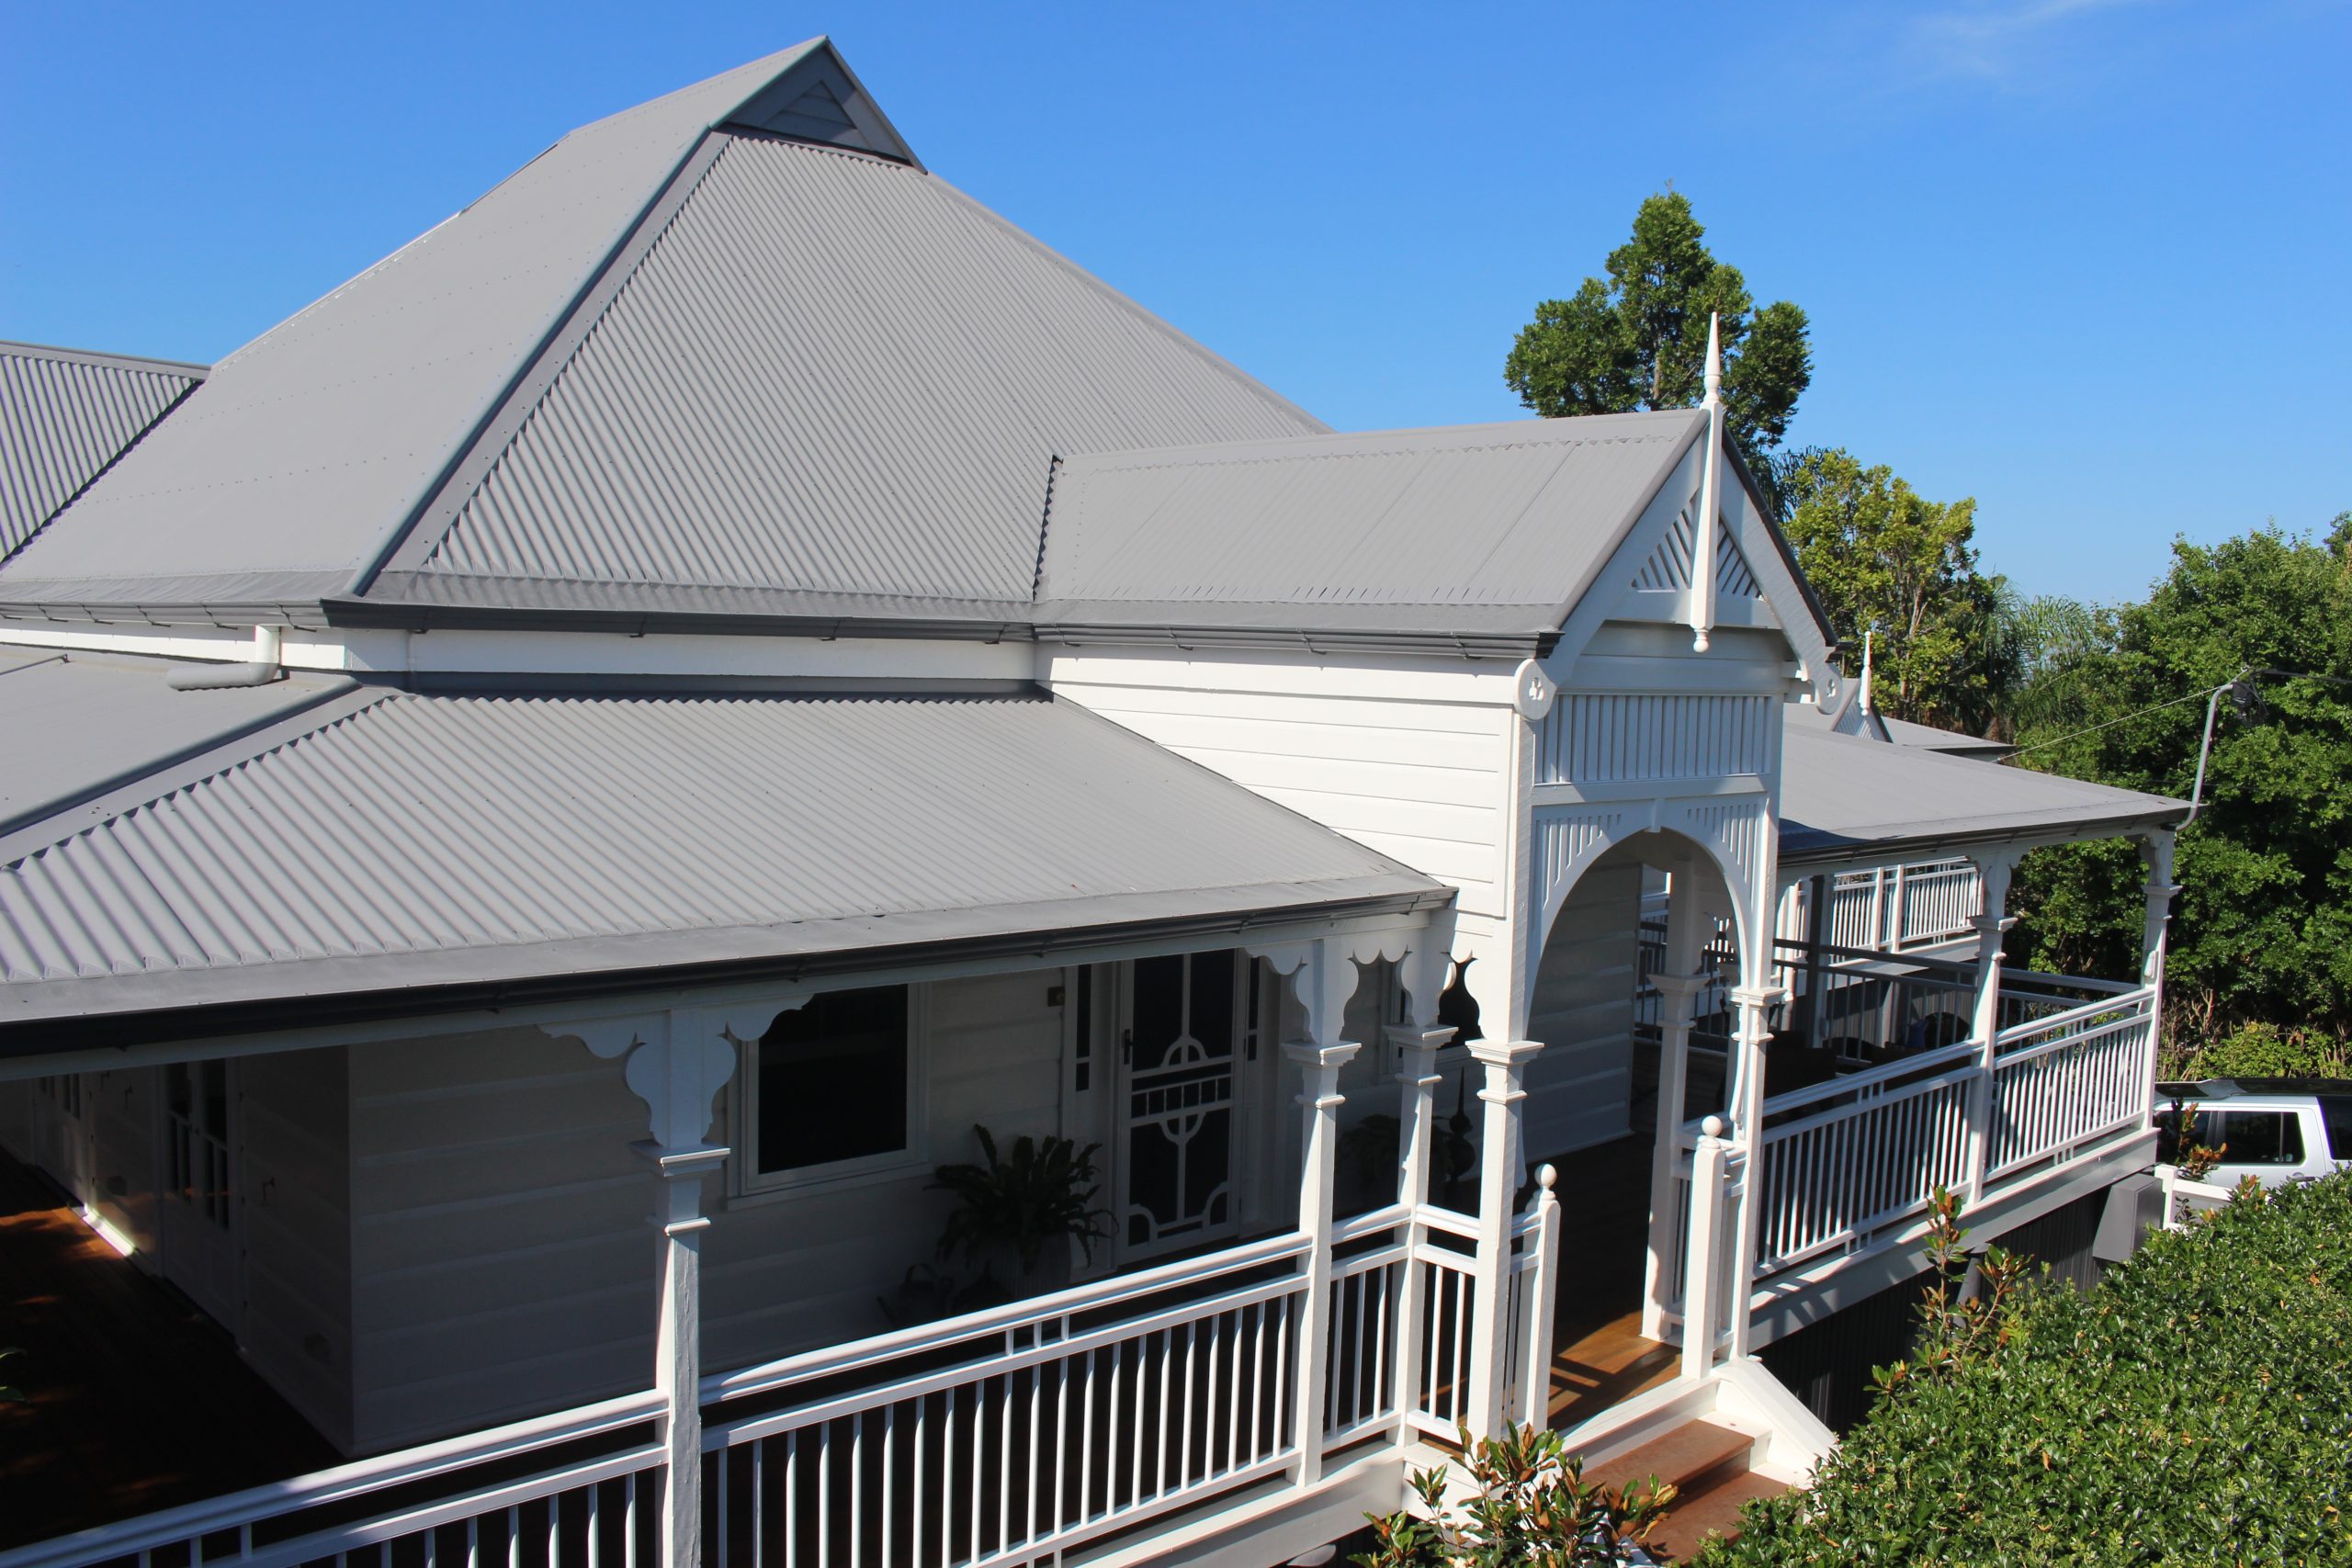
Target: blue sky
[2083,260]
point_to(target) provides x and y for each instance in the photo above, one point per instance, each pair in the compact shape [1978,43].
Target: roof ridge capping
[188,369]
[1647,424]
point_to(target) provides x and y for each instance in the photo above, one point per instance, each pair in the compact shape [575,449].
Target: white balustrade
[471,1500]
[1849,1162]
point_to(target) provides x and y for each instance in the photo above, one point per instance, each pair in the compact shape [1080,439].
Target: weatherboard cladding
[311,445]
[424,839]
[1493,529]
[833,376]
[66,415]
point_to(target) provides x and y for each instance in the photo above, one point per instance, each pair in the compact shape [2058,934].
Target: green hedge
[2195,1407]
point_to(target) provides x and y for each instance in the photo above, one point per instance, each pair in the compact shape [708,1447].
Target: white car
[2275,1130]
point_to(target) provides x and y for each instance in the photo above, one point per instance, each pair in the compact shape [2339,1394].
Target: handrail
[1355,1227]
[2076,1015]
[836,1360]
[2074,1040]
[1873,1077]
[742,1430]
[2080,982]
[342,1481]
[1893,1096]
[1461,1226]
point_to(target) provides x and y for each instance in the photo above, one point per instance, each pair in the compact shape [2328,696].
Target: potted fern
[1018,1213]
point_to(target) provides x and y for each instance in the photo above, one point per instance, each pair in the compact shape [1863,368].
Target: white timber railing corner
[1896,906]
[581,1485]
[1847,1164]
[2185,1197]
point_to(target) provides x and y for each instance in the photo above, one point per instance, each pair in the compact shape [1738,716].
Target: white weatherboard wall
[294,1117]
[1413,757]
[502,1258]
[1579,1085]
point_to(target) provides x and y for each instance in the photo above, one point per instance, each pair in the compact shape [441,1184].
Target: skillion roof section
[732,353]
[399,852]
[1481,536]
[1846,796]
[65,416]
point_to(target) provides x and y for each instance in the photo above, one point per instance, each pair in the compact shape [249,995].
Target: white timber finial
[1702,541]
[1862,694]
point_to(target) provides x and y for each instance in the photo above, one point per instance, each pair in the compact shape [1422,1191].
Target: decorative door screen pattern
[1181,1049]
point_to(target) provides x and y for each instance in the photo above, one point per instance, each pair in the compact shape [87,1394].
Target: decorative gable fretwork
[1669,568]
[1639,738]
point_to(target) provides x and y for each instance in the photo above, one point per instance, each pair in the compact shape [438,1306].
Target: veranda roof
[1844,797]
[79,725]
[389,851]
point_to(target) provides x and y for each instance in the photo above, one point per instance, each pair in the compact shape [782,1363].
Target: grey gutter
[143,1009]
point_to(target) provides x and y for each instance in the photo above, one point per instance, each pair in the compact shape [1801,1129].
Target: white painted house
[724,665]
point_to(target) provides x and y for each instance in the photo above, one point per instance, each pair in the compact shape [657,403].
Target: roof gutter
[85,1029]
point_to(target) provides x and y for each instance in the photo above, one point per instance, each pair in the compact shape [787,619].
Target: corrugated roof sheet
[1842,794]
[1480,529]
[835,385]
[64,415]
[79,724]
[307,447]
[424,840]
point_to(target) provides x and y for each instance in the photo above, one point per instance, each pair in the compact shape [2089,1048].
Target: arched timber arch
[1733,832]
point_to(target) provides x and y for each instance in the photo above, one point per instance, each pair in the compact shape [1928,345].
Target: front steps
[1709,1464]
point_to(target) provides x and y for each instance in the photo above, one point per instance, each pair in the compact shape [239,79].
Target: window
[2257,1138]
[832,1092]
[2337,1114]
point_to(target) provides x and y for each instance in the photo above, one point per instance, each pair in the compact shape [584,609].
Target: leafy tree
[1528,1504]
[1880,555]
[2263,929]
[1637,339]
[2195,1406]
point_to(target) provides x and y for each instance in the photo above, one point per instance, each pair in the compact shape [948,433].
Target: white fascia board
[1391,677]
[341,651]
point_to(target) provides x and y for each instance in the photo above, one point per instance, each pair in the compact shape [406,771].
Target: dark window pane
[1159,1015]
[833,1079]
[2337,1114]
[2261,1137]
[1213,1002]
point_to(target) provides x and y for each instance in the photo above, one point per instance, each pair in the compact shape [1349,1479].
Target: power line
[2200,695]
[2196,696]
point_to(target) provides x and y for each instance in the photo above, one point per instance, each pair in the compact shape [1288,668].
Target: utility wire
[2197,696]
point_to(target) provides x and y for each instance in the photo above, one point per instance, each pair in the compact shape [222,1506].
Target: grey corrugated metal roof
[833,387]
[1481,530]
[79,724]
[1842,794]
[469,840]
[64,415]
[1927,737]
[307,447]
